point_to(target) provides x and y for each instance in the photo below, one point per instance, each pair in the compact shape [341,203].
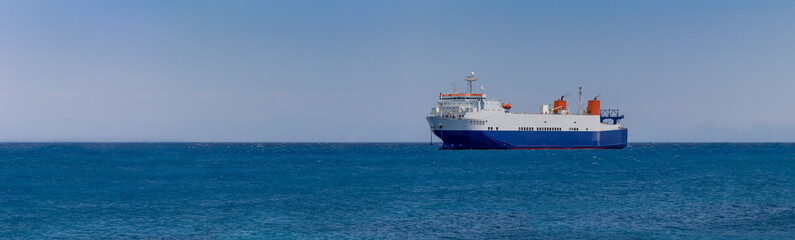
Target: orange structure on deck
[507,106]
[559,106]
[594,107]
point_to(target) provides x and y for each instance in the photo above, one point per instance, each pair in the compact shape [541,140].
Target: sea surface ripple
[395,191]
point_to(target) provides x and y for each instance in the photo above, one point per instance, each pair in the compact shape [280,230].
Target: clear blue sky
[371,70]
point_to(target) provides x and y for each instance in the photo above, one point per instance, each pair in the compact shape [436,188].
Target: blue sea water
[394,190]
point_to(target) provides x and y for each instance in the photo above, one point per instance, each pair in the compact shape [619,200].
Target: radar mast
[471,78]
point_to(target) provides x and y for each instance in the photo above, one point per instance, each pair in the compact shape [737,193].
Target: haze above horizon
[361,71]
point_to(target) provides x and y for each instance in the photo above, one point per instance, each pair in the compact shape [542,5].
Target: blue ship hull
[469,139]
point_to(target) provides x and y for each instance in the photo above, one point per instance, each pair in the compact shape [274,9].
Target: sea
[395,191]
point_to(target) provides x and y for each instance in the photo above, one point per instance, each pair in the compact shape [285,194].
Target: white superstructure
[472,111]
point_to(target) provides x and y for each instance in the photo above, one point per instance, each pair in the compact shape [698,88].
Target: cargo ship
[472,121]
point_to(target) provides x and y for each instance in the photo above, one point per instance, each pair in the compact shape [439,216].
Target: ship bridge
[462,96]
[458,105]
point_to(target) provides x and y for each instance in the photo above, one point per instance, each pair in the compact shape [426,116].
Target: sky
[361,71]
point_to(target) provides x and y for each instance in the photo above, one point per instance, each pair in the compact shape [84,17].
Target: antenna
[471,78]
[454,88]
[580,100]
